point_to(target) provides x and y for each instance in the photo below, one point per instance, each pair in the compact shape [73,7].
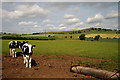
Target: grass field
[95,49]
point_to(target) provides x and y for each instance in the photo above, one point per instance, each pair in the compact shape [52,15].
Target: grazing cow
[13,45]
[27,54]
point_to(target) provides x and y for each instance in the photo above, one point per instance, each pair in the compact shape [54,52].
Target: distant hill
[89,30]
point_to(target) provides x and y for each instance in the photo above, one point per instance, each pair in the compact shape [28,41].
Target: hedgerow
[28,38]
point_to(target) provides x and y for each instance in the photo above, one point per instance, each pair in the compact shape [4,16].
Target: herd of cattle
[26,51]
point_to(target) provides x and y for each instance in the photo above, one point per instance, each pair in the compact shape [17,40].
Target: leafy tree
[97,37]
[48,35]
[79,31]
[65,36]
[95,28]
[70,36]
[114,38]
[4,33]
[99,29]
[73,32]
[76,32]
[92,29]
[82,37]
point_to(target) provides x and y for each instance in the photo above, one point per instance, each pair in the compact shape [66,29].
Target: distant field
[75,36]
[40,35]
[104,35]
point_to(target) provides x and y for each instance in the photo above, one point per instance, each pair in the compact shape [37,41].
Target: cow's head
[27,48]
[14,44]
[22,43]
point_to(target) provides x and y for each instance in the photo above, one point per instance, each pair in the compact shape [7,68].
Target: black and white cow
[22,43]
[27,54]
[13,45]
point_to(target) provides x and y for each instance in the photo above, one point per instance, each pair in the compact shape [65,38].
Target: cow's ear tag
[33,47]
[25,47]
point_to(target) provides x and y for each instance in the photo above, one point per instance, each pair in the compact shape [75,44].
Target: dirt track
[43,67]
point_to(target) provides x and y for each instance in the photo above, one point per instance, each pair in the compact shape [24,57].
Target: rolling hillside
[91,32]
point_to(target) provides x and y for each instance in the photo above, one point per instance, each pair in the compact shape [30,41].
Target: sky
[32,17]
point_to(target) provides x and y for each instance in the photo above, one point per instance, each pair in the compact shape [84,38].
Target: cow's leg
[24,58]
[30,62]
[15,54]
[10,51]
[26,62]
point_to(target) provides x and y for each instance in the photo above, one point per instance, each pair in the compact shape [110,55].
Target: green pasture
[94,49]
[102,49]
[39,35]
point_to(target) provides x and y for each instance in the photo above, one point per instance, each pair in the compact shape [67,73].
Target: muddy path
[43,67]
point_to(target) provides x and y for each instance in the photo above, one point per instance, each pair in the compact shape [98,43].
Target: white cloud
[68,16]
[78,24]
[36,26]
[96,25]
[112,14]
[71,21]
[62,28]
[46,21]
[27,23]
[50,25]
[96,18]
[26,11]
[61,25]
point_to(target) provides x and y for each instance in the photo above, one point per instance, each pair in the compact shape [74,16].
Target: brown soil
[43,67]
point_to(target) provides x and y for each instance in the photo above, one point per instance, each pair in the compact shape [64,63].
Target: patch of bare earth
[43,67]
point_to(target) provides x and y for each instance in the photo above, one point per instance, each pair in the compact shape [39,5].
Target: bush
[107,38]
[99,29]
[79,31]
[48,35]
[114,38]
[97,37]
[92,40]
[70,36]
[65,36]
[82,37]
